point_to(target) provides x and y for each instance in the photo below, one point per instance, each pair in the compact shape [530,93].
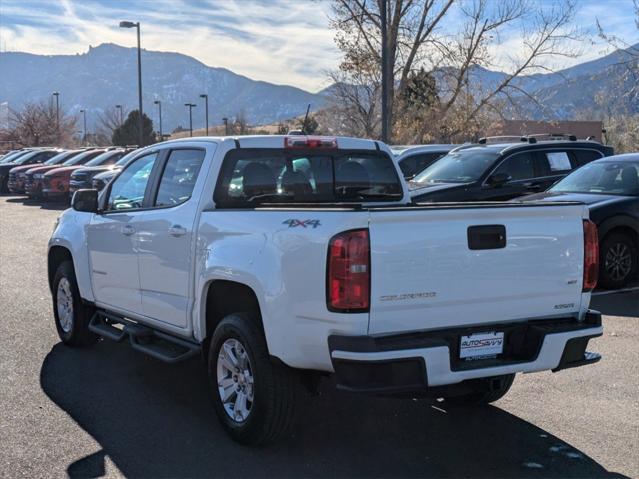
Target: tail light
[323,142]
[591,256]
[348,274]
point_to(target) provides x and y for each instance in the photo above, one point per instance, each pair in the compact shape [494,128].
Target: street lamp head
[204,95]
[128,24]
[55,93]
[82,111]
[190,104]
[157,102]
[118,106]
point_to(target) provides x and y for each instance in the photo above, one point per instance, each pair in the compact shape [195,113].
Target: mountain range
[106,75]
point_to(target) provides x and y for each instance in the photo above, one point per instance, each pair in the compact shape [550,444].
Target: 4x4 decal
[293,223]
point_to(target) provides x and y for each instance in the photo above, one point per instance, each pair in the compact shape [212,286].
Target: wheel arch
[56,256]
[222,297]
[619,224]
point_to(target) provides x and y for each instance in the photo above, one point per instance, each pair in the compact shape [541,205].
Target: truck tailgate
[424,274]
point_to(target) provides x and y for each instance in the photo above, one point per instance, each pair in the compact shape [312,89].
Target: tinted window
[256,176]
[583,157]
[519,167]
[59,158]
[461,166]
[127,190]
[82,158]
[411,165]
[178,178]
[106,158]
[606,177]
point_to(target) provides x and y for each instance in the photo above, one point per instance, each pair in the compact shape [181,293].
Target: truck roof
[278,141]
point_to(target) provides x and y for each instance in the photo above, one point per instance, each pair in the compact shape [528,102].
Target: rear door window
[583,157]
[520,166]
[179,176]
[255,176]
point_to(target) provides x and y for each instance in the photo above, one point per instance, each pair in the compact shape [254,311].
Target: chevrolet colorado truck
[283,259]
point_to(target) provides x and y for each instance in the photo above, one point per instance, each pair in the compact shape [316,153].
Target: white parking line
[616,291]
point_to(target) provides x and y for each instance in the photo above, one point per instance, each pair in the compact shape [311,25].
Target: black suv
[497,170]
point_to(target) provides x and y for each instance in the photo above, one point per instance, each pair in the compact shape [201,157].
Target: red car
[35,176]
[56,182]
[18,175]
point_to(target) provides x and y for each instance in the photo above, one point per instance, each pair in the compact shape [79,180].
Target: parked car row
[54,174]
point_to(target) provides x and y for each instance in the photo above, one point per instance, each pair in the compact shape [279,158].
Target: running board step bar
[155,343]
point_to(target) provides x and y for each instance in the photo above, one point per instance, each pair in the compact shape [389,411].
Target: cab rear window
[250,177]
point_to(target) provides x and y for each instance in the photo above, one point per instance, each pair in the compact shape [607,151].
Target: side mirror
[499,179]
[85,200]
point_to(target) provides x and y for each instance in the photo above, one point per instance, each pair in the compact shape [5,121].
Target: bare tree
[36,124]
[454,59]
[109,120]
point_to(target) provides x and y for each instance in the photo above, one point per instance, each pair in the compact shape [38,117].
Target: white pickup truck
[282,259]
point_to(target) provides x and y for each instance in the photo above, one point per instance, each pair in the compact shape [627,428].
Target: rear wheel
[486,391]
[617,261]
[4,185]
[254,397]
[71,316]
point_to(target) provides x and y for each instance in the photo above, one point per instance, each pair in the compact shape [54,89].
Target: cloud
[279,41]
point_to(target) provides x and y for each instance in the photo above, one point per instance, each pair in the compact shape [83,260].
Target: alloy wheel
[618,261]
[65,305]
[235,380]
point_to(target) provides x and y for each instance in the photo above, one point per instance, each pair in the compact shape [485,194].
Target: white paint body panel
[423,257]
[412,251]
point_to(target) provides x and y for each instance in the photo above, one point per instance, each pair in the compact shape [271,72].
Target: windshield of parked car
[106,158]
[25,158]
[255,176]
[126,158]
[80,159]
[461,166]
[57,159]
[7,158]
[603,177]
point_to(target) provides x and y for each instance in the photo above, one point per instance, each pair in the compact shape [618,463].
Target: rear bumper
[421,360]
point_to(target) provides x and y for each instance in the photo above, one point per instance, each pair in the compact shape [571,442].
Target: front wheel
[71,316]
[254,397]
[486,391]
[618,261]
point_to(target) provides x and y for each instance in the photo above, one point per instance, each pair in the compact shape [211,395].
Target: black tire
[4,185]
[614,272]
[488,390]
[272,409]
[75,334]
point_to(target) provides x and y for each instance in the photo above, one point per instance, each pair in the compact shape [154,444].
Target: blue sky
[280,41]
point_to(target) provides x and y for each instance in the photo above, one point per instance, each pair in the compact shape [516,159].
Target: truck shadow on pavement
[155,420]
[44,205]
[617,304]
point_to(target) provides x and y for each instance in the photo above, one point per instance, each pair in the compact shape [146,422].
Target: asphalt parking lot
[110,411]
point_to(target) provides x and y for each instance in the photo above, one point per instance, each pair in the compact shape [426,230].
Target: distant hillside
[107,75]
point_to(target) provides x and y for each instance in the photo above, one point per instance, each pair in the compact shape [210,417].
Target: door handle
[177,230]
[128,230]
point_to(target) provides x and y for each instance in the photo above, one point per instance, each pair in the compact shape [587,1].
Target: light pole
[119,107]
[226,126]
[206,103]
[385,73]
[57,112]
[159,104]
[140,122]
[190,105]
[84,135]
